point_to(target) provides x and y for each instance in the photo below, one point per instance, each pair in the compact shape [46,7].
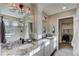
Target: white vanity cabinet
[51,46]
[55,43]
[47,49]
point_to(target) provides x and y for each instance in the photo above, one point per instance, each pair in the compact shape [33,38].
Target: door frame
[58,28]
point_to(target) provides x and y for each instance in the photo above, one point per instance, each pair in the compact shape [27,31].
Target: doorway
[65,32]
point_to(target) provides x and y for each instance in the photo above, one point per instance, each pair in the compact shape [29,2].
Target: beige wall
[53,19]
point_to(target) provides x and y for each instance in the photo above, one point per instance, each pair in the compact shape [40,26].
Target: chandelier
[19,7]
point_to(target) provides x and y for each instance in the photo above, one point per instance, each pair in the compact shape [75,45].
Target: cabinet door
[47,51]
[51,46]
[55,43]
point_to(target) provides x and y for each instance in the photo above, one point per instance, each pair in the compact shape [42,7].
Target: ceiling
[48,8]
[53,8]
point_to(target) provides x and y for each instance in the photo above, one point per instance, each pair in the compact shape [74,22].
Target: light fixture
[64,7]
[19,7]
[12,7]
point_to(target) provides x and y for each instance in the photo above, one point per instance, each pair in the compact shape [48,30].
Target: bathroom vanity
[44,47]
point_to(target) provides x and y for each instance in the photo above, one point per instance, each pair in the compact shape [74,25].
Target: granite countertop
[26,49]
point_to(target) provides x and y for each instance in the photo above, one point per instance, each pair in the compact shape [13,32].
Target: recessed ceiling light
[64,7]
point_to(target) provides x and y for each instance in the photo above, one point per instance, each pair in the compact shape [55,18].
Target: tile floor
[65,50]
